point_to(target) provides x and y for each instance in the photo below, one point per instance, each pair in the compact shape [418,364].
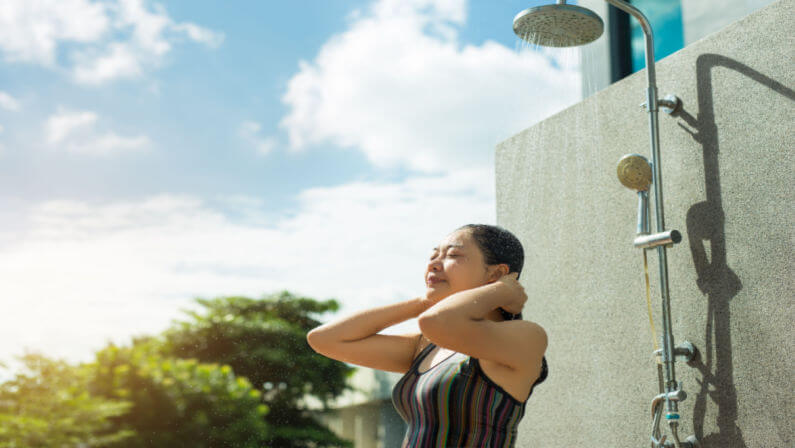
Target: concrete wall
[727,164]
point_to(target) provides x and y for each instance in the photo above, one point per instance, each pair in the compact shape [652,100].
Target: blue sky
[153,152]
[195,95]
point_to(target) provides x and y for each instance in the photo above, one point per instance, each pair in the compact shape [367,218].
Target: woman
[472,367]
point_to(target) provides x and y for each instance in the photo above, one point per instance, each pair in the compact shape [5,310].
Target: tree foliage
[236,373]
[178,402]
[265,341]
[47,404]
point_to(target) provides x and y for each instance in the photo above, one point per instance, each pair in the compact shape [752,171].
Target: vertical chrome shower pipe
[651,102]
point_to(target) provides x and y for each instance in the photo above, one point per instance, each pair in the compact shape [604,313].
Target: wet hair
[499,246]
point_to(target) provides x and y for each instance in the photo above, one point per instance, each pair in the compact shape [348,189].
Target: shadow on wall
[705,223]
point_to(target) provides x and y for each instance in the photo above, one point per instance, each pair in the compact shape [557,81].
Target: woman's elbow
[429,324]
[315,339]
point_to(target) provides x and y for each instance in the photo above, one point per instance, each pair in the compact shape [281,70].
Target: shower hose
[658,359]
[648,303]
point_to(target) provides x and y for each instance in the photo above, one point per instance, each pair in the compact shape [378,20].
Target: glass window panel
[665,17]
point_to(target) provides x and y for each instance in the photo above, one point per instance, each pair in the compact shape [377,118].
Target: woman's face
[457,264]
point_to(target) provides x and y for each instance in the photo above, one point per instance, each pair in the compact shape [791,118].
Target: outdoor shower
[562,25]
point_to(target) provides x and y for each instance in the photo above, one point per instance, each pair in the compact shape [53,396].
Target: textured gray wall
[727,164]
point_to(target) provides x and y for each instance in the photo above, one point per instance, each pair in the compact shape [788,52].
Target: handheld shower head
[634,171]
[558,25]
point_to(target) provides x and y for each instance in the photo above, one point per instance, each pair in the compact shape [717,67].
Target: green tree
[179,402]
[265,341]
[47,405]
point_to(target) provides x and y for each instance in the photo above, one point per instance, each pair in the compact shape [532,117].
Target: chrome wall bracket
[685,351]
[670,104]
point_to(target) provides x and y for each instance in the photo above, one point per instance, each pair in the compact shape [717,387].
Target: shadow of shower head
[558,25]
[634,172]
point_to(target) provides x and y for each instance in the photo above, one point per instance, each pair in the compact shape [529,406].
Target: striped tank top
[454,404]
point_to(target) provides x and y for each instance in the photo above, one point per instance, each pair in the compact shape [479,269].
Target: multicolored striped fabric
[454,404]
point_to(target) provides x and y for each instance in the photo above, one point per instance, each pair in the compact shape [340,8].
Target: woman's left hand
[512,294]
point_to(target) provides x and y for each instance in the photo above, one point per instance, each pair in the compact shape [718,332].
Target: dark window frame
[620,44]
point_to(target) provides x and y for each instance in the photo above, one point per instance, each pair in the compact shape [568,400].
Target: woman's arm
[365,323]
[458,323]
[473,304]
[476,303]
[355,339]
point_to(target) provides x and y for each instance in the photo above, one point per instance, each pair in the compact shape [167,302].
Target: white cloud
[119,61]
[250,132]
[31,30]
[60,125]
[148,27]
[400,86]
[75,132]
[102,41]
[202,35]
[82,273]
[110,143]
[8,102]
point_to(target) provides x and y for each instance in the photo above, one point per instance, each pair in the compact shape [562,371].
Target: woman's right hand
[512,294]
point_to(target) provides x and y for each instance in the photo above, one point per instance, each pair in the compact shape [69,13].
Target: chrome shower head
[559,25]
